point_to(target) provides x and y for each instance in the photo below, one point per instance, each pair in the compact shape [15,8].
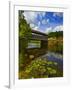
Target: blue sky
[44,21]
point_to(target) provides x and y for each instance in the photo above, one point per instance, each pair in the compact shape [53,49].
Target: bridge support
[44,44]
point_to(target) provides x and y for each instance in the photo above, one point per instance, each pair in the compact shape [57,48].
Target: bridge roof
[37,35]
[38,32]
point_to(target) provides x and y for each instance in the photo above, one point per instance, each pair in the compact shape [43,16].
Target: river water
[55,57]
[50,56]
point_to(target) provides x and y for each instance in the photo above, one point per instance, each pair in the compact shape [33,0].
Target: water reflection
[50,56]
[55,57]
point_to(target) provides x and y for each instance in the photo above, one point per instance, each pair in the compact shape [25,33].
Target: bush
[40,69]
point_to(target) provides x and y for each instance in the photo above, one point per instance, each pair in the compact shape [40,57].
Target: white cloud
[44,21]
[58,14]
[39,23]
[41,14]
[30,16]
[32,25]
[36,28]
[47,20]
[58,28]
[49,29]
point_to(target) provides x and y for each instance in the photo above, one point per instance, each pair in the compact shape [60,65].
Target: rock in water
[31,56]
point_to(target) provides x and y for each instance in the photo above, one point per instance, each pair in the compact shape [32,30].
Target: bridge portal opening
[34,44]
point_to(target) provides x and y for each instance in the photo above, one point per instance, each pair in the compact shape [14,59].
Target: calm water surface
[50,56]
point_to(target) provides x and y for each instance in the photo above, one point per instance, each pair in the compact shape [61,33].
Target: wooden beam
[38,32]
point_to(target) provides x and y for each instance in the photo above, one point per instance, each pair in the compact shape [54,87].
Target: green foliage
[24,27]
[60,48]
[55,34]
[24,36]
[56,45]
[40,68]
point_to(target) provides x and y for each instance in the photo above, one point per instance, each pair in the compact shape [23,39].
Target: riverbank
[46,66]
[55,44]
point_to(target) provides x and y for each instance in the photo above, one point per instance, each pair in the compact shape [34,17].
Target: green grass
[40,68]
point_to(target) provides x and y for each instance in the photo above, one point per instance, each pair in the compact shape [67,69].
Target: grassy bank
[55,44]
[41,68]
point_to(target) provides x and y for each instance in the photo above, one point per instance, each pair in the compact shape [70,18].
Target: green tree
[55,34]
[24,36]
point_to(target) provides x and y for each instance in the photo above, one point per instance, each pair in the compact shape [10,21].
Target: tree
[24,36]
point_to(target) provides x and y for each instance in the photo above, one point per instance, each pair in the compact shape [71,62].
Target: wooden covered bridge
[37,35]
[36,52]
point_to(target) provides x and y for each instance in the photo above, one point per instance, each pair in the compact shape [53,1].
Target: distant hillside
[55,34]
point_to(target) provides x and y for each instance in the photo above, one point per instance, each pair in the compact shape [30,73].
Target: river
[55,57]
[50,56]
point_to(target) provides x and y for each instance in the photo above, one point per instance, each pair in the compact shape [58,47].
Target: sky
[44,21]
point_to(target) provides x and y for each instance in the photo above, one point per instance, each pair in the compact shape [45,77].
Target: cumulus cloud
[58,28]
[32,25]
[48,30]
[36,28]
[39,23]
[59,14]
[45,21]
[41,15]
[30,16]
